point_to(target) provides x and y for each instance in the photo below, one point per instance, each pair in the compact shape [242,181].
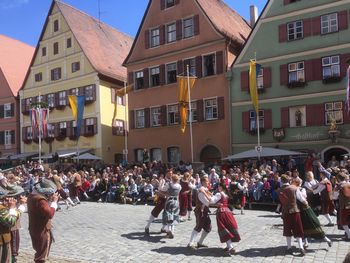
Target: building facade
[302,47]
[77,55]
[206,36]
[15,58]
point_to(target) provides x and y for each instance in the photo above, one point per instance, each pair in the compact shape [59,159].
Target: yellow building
[77,54]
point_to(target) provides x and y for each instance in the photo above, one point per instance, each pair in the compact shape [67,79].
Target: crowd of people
[175,191]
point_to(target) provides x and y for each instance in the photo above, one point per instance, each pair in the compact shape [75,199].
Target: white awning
[71,152]
[87,156]
[23,156]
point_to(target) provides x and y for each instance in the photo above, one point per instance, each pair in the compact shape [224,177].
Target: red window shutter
[200,111]
[130,78]
[343,20]
[282,33]
[162,35]
[196,28]
[315,115]
[268,119]
[284,75]
[199,66]
[180,68]
[163,115]
[179,29]
[308,70]
[221,108]
[285,117]
[317,69]
[132,119]
[316,26]
[343,65]
[147,39]
[246,121]
[307,27]
[245,80]
[162,74]
[267,77]
[146,78]
[219,62]
[162,4]
[147,118]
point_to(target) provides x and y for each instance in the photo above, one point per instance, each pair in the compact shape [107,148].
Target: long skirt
[171,211]
[159,207]
[183,201]
[344,217]
[292,225]
[313,199]
[327,206]
[227,226]
[311,224]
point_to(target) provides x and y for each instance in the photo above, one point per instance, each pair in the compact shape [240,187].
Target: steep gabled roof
[105,47]
[15,57]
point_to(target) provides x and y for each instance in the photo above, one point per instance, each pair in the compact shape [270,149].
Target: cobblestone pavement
[93,232]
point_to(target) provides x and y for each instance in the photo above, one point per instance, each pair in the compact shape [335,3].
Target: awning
[5,157]
[87,156]
[46,156]
[266,152]
[71,152]
[23,156]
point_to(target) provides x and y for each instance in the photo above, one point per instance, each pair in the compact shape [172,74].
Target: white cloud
[8,4]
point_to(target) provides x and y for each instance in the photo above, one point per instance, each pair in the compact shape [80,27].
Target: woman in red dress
[185,196]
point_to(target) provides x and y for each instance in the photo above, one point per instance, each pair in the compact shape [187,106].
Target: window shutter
[179,29]
[316,26]
[2,111]
[317,69]
[132,119]
[113,95]
[244,80]
[343,20]
[221,108]
[267,77]
[163,117]
[12,109]
[162,74]
[199,66]
[70,128]
[307,27]
[146,78]
[180,68]
[59,73]
[147,118]
[309,70]
[346,115]
[52,75]
[94,92]
[186,62]
[245,121]
[219,62]
[2,138]
[343,64]
[147,39]
[200,111]
[56,129]
[196,29]
[315,115]
[13,139]
[268,119]
[24,133]
[57,99]
[95,126]
[284,75]
[285,117]
[23,104]
[282,33]
[81,90]
[162,35]
[162,4]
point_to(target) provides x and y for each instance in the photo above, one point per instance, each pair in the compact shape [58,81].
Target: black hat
[46,187]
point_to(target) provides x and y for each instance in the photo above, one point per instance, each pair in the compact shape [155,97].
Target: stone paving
[95,232]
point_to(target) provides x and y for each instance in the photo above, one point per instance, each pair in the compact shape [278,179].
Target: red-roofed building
[207,35]
[15,58]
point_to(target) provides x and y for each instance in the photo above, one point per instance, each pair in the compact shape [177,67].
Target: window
[171,32]
[139,80]
[155,117]
[173,114]
[297,116]
[173,154]
[211,109]
[38,77]
[8,138]
[74,91]
[7,110]
[69,42]
[171,76]
[63,129]
[329,23]
[120,100]
[139,155]
[140,119]
[295,30]
[51,130]
[192,66]
[155,77]
[43,51]
[55,74]
[55,26]
[55,48]
[296,72]
[260,79]
[89,93]
[193,110]
[334,112]
[29,132]
[118,128]
[209,65]
[90,126]
[156,154]
[28,103]
[155,37]
[188,27]
[253,124]
[51,100]
[169,3]
[75,66]
[62,101]
[331,67]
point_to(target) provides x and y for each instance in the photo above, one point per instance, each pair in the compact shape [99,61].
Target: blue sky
[23,19]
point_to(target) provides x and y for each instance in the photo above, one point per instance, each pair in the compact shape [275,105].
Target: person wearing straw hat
[40,213]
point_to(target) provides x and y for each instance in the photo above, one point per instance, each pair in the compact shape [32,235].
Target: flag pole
[40,127]
[190,110]
[258,116]
[125,130]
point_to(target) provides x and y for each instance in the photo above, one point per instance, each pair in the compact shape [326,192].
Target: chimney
[253,15]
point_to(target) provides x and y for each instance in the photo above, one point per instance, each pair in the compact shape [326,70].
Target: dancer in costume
[185,195]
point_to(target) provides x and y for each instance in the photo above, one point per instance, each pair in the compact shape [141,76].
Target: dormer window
[55,26]
[169,3]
